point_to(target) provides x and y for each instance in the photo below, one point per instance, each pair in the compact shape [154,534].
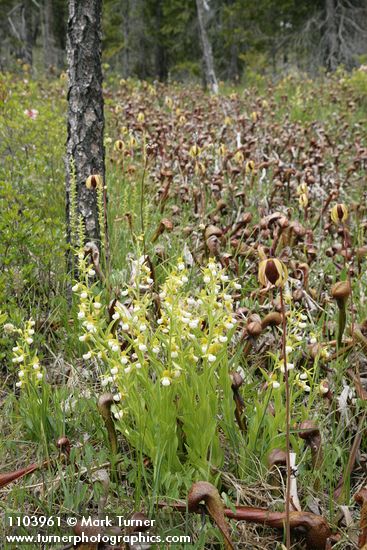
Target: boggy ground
[201,189]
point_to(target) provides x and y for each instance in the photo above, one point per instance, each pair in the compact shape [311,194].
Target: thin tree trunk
[48,35]
[126,38]
[85,149]
[332,53]
[233,67]
[27,32]
[210,78]
[160,52]
[233,64]
[59,28]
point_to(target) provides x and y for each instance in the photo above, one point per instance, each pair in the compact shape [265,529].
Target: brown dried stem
[204,491]
[9,477]
[315,528]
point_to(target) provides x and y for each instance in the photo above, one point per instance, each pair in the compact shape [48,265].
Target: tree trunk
[332,49]
[85,149]
[233,71]
[233,66]
[160,51]
[210,78]
[27,33]
[48,36]
[59,28]
[126,38]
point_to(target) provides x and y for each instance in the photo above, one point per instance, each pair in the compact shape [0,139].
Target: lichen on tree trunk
[85,149]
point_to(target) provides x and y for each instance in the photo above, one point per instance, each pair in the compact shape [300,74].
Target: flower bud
[340,291]
[94,182]
[324,387]
[272,271]
[195,151]
[303,200]
[119,145]
[271,319]
[339,213]
[238,157]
